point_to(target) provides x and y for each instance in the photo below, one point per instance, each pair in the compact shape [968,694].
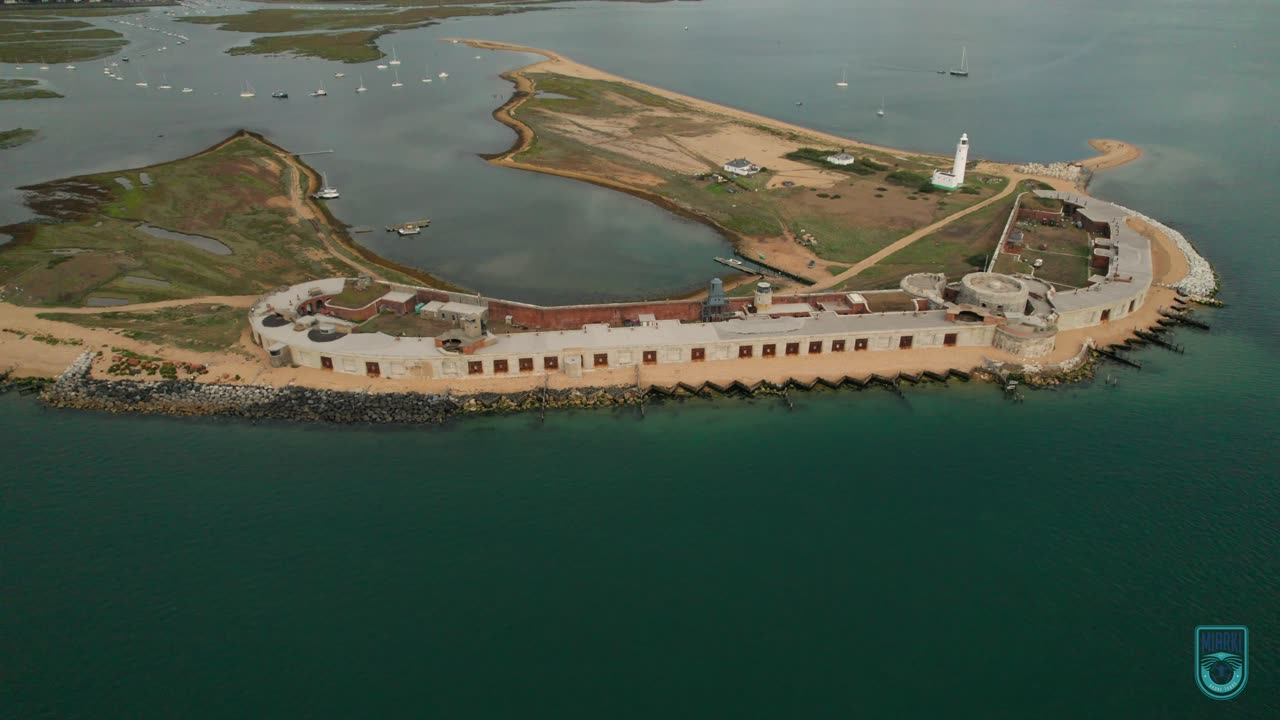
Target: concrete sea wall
[76,389]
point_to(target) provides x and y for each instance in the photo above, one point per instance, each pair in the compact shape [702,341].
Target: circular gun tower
[764,297]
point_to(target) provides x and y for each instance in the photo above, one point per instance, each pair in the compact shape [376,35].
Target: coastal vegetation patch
[290,20]
[350,47]
[241,194]
[357,44]
[19,89]
[54,40]
[43,12]
[673,152]
[14,138]
[201,327]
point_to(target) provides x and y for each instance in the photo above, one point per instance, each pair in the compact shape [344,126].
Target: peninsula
[856,261]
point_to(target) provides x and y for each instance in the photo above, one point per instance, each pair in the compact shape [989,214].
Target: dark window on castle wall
[815,347]
[1131,304]
[793,348]
[904,342]
[372,369]
[837,346]
[859,344]
[650,357]
[745,351]
[698,354]
[769,350]
[475,367]
[326,362]
[499,367]
[949,339]
[1106,315]
[550,363]
[526,364]
[602,360]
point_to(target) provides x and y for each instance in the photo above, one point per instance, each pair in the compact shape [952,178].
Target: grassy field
[617,132]
[199,327]
[24,90]
[1064,253]
[236,194]
[14,138]
[956,249]
[351,47]
[353,297]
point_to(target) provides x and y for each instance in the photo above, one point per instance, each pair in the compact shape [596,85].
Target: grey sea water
[949,554]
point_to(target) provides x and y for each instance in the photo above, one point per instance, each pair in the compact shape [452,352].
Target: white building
[841,158]
[955,178]
[742,167]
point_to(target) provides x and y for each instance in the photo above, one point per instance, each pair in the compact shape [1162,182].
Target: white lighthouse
[955,178]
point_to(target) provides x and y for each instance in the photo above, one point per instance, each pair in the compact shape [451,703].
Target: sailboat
[321,92]
[397,83]
[381,66]
[362,88]
[71,67]
[394,60]
[963,70]
[247,92]
[142,81]
[426,77]
[844,79]
[880,112]
[187,90]
[164,83]
[43,66]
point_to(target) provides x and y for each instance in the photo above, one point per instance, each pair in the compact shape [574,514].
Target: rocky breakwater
[1201,282]
[75,388]
[1060,170]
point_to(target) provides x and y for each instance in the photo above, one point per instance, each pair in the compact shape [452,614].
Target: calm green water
[946,555]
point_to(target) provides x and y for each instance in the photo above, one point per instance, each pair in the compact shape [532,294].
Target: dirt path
[897,245]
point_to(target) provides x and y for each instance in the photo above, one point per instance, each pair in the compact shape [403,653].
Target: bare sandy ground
[1114,154]
[1168,264]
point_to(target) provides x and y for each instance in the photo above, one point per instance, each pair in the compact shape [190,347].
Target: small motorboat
[280,95]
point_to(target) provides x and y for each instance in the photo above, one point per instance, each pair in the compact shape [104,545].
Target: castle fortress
[459,336]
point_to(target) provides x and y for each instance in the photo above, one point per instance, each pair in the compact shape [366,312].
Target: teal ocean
[949,554]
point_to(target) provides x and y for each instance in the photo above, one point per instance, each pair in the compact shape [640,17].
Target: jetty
[407,225]
[749,268]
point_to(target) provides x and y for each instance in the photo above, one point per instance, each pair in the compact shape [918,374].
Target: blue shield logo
[1222,660]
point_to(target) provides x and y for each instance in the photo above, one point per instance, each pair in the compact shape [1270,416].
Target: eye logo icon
[1222,660]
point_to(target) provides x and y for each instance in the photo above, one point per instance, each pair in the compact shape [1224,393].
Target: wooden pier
[419,223]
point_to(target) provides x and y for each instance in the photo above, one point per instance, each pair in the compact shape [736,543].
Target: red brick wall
[573,317]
